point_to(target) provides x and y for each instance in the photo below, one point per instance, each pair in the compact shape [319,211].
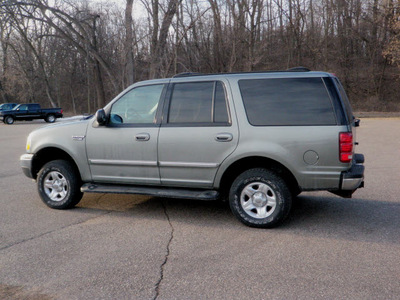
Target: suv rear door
[198,132]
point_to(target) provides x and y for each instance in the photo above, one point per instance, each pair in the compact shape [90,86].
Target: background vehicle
[29,112]
[257,139]
[7,106]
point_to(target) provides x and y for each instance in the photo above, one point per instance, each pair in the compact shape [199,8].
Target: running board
[151,191]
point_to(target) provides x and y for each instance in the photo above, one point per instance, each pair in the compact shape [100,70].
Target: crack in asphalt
[49,232]
[158,284]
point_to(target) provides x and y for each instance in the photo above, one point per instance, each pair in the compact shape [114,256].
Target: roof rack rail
[187,74]
[298,69]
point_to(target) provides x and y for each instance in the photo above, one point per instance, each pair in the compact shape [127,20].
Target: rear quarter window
[287,102]
[345,101]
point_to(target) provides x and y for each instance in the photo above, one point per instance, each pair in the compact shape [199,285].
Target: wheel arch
[48,154]
[246,163]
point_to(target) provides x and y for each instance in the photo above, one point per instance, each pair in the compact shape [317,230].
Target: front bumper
[26,164]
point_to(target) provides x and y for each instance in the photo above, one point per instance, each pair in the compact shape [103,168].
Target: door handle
[142,137]
[224,137]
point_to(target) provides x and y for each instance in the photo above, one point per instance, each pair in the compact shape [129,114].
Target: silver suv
[257,139]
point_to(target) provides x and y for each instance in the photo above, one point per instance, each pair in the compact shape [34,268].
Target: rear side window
[198,102]
[287,101]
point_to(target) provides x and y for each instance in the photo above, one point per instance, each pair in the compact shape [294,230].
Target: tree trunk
[158,45]
[129,56]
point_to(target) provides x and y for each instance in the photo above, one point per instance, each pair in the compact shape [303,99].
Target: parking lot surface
[137,247]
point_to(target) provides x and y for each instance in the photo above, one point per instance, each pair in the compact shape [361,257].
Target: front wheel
[59,185]
[260,198]
[8,120]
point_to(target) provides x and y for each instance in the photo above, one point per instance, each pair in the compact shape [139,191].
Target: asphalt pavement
[137,247]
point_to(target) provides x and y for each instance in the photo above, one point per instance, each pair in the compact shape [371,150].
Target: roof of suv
[250,75]
[298,72]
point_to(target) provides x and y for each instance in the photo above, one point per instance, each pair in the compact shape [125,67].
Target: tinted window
[137,106]
[198,102]
[287,101]
[336,100]
[345,101]
[220,105]
[6,106]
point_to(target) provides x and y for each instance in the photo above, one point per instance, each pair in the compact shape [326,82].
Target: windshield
[6,106]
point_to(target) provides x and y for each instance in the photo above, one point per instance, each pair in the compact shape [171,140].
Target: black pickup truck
[28,112]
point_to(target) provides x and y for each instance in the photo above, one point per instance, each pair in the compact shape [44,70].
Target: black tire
[59,185]
[8,120]
[50,118]
[260,198]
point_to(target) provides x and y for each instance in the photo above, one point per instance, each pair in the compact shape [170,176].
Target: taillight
[61,111]
[346,147]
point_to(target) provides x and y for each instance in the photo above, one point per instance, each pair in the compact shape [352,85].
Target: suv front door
[197,133]
[125,150]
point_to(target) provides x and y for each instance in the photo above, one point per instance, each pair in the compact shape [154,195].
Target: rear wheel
[8,120]
[260,198]
[59,185]
[50,118]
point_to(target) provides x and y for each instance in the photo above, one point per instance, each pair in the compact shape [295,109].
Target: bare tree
[5,32]
[160,34]
[78,53]
[129,54]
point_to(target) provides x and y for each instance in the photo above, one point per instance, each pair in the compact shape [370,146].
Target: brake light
[346,147]
[61,111]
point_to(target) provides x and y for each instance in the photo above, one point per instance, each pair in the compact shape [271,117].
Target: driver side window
[138,106]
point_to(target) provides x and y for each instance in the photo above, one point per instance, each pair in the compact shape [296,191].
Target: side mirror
[101,117]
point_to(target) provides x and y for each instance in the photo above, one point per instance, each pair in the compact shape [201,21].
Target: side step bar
[151,191]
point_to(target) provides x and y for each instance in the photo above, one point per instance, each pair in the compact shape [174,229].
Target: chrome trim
[187,164]
[112,162]
[351,184]
[127,179]
[78,137]
[26,156]
[186,181]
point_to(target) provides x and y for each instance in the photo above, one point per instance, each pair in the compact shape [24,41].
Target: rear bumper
[352,179]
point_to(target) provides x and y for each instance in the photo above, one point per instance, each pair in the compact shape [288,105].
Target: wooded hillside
[79,54]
